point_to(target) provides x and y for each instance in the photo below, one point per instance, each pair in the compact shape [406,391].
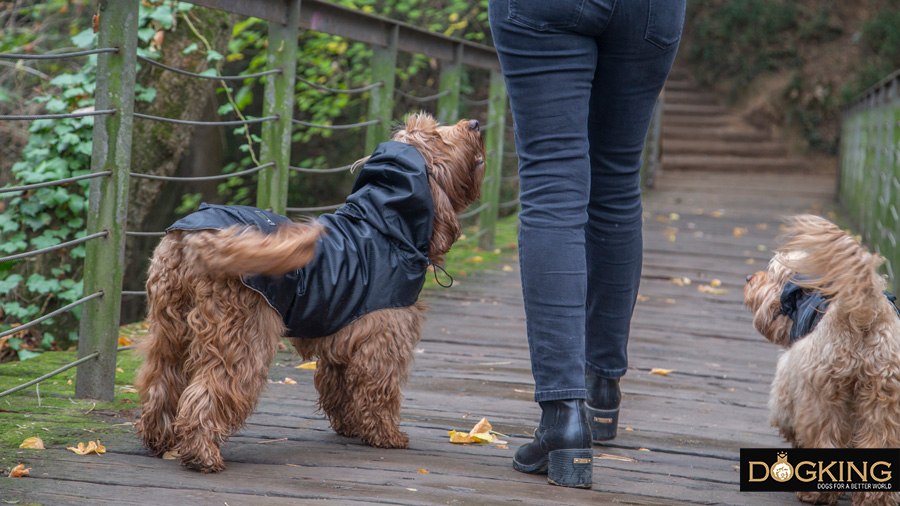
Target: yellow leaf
[459,437]
[497,251]
[674,217]
[508,268]
[662,219]
[119,369]
[681,281]
[91,447]
[643,450]
[476,259]
[422,471]
[483,438]
[718,214]
[124,341]
[482,426]
[289,381]
[642,298]
[502,447]
[761,247]
[171,455]
[234,57]
[309,365]
[609,456]
[661,372]
[33,442]
[628,428]
[739,231]
[19,471]
[749,261]
[711,290]
[762,226]
[715,283]
[669,301]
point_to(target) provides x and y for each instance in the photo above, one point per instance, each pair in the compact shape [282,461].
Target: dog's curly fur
[211,339]
[838,387]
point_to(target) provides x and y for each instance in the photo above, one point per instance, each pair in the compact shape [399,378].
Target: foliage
[880,44]
[45,217]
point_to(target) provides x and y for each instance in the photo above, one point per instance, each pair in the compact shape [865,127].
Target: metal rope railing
[484,101]
[59,371]
[59,246]
[10,189]
[14,56]
[207,76]
[414,98]
[336,127]
[202,178]
[343,168]
[29,117]
[205,123]
[364,89]
[49,315]
[475,211]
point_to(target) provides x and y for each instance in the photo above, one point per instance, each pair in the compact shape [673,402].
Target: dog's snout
[749,277]
[473,125]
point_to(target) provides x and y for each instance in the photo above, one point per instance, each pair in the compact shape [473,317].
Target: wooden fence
[869,189]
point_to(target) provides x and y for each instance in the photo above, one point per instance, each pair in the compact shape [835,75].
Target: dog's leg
[377,371]
[877,424]
[161,378]
[237,335]
[335,398]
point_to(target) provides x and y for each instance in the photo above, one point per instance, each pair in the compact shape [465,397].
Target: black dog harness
[806,308]
[372,255]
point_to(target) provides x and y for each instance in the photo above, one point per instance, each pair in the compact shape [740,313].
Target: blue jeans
[583,77]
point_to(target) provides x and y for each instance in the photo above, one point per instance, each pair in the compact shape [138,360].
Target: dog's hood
[392,195]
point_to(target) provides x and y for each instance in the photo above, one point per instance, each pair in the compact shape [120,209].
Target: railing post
[108,200]
[381,99]
[451,74]
[272,192]
[493,143]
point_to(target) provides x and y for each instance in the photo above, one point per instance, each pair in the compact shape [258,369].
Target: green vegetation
[466,259]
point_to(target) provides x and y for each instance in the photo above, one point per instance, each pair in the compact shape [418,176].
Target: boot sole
[604,423]
[565,468]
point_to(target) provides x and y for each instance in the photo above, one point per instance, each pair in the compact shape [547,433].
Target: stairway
[701,134]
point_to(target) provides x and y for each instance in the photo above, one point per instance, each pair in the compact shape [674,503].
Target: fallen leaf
[497,251]
[289,381]
[171,455]
[282,346]
[711,290]
[674,217]
[739,231]
[761,247]
[715,283]
[718,214]
[609,456]
[669,301]
[91,447]
[119,369]
[459,437]
[749,261]
[643,450]
[309,365]
[642,298]
[502,447]
[662,219]
[124,341]
[483,425]
[19,471]
[480,434]
[422,471]
[519,391]
[661,372]
[476,259]
[681,281]
[628,428]
[762,226]
[33,442]
[95,23]
[508,268]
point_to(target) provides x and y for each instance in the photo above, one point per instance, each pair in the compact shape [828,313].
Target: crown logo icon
[782,470]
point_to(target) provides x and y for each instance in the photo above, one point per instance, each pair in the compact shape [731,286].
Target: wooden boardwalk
[680,433]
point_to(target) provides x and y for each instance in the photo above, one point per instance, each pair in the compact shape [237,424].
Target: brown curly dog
[839,386]
[212,338]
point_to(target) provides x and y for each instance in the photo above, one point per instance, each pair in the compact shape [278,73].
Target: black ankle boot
[561,446]
[602,405]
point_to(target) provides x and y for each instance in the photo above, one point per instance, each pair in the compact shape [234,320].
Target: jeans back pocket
[665,20]
[544,15]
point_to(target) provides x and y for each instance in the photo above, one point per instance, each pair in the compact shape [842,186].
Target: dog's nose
[473,125]
[749,277]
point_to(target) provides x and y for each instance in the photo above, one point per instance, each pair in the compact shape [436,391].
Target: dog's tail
[837,265]
[241,250]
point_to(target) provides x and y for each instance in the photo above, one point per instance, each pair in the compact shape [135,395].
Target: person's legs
[548,72]
[636,52]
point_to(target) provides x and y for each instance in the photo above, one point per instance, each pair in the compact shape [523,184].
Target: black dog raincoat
[372,255]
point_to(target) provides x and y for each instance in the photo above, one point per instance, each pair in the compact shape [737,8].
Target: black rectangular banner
[814,469]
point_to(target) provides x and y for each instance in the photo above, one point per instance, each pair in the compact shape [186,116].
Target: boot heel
[604,423]
[571,468]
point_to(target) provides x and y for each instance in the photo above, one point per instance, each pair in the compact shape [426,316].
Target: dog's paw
[396,440]
[204,464]
[818,497]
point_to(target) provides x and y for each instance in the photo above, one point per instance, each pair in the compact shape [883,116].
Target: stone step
[690,98]
[671,132]
[733,163]
[686,121]
[694,109]
[720,147]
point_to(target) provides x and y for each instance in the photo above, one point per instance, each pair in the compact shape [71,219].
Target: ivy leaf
[39,284]
[145,94]
[10,283]
[190,49]
[145,34]
[76,205]
[213,55]
[84,39]
[163,14]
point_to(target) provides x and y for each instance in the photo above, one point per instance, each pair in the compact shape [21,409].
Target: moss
[52,412]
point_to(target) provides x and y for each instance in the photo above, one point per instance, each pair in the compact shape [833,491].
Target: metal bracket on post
[381,99]
[451,74]
[493,142]
[272,192]
[108,200]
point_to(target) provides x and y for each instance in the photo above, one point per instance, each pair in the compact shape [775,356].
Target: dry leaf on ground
[309,365]
[19,471]
[709,289]
[92,447]
[661,372]
[422,471]
[33,442]
[480,434]
[171,455]
[124,341]
[289,381]
[681,281]
[739,231]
